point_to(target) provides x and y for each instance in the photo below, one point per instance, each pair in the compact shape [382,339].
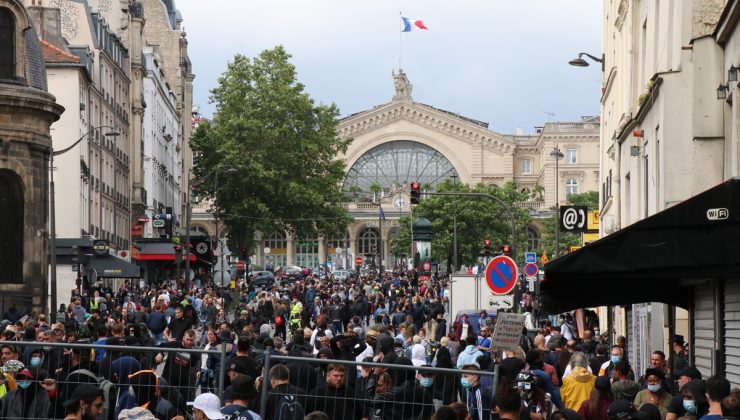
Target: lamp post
[454,231]
[52,215]
[580,62]
[557,154]
[228,170]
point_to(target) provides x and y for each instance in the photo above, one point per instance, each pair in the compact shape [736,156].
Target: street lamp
[52,214]
[580,62]
[557,154]
[228,170]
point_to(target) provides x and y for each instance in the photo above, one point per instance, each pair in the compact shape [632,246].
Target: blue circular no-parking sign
[501,275]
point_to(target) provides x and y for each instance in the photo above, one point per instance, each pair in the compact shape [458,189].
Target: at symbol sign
[572,220]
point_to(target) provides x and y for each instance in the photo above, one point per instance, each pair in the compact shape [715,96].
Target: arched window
[366,239]
[276,241]
[533,239]
[201,230]
[7,44]
[571,186]
[11,228]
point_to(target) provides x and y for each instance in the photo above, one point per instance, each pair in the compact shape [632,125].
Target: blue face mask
[654,388]
[24,383]
[690,406]
[465,382]
[35,361]
[426,382]
[616,359]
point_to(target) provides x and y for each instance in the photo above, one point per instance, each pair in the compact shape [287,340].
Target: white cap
[209,404]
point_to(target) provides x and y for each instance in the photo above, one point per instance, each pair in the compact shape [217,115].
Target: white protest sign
[508,331]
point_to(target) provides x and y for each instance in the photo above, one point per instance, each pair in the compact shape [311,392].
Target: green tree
[283,146]
[589,199]
[478,219]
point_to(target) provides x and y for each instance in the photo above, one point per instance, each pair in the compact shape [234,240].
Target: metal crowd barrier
[368,408]
[56,365]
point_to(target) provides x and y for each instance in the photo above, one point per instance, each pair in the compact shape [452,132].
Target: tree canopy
[478,219]
[283,147]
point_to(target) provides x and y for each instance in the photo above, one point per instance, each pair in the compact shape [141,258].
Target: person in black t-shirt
[177,326]
[179,365]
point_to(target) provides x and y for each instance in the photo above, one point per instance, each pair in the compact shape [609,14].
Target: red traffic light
[487,244]
[506,249]
[415,192]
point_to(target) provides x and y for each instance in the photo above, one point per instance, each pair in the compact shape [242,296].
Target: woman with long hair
[597,405]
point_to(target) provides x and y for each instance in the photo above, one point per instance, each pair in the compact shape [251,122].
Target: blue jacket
[468,356]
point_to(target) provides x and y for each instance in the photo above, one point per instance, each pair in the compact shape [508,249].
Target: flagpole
[400,41]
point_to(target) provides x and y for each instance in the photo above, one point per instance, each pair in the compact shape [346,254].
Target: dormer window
[7,44]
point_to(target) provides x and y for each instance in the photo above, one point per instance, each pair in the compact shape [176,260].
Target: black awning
[654,260]
[108,266]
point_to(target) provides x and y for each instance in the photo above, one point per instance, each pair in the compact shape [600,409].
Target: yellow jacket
[577,387]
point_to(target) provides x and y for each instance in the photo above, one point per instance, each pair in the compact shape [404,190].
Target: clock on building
[399,202]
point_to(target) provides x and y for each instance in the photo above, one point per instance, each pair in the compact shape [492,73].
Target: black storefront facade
[686,256]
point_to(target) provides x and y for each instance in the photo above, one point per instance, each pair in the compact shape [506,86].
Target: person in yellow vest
[295,314]
[95,301]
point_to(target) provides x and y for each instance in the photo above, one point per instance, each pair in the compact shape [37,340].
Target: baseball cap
[239,365]
[209,404]
[83,392]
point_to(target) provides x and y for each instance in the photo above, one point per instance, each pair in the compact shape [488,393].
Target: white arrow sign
[500,302]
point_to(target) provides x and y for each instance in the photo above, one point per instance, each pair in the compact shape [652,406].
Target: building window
[7,44]
[533,239]
[526,167]
[11,227]
[571,156]
[571,187]
[276,241]
[367,238]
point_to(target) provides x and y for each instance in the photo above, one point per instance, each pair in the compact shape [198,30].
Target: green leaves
[478,219]
[283,146]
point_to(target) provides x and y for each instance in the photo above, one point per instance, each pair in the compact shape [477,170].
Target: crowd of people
[367,348]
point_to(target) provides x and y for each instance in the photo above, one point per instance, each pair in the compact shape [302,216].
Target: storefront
[686,256]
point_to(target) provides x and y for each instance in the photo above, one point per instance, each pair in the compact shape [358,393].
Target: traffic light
[415,192]
[487,247]
[506,250]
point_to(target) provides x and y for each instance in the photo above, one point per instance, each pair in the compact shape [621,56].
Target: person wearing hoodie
[471,353]
[385,346]
[691,401]
[30,400]
[121,369]
[578,385]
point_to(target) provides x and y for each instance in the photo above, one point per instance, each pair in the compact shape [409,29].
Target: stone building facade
[27,110]
[403,141]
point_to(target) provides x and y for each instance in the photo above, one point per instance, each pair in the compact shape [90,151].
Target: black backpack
[290,409]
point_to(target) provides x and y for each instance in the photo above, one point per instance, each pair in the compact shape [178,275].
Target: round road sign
[240,265]
[501,275]
[359,260]
[531,270]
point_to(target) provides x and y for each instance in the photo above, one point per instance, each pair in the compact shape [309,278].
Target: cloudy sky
[500,61]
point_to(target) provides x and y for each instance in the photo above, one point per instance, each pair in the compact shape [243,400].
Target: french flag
[408,24]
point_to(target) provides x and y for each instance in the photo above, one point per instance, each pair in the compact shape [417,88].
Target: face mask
[24,384]
[616,359]
[35,361]
[465,382]
[690,406]
[426,382]
[654,388]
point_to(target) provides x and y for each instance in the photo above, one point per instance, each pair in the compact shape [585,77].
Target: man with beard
[85,403]
[334,397]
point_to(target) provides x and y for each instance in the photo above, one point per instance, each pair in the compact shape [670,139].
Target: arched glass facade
[398,163]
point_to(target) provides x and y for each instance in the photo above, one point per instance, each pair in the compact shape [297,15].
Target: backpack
[290,409]
[110,392]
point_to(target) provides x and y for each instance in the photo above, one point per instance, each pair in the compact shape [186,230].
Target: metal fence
[368,390]
[130,376]
[164,379]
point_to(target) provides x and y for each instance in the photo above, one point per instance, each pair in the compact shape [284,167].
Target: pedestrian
[243,390]
[478,399]
[470,355]
[206,407]
[85,403]
[283,400]
[597,405]
[334,398]
[578,385]
[655,393]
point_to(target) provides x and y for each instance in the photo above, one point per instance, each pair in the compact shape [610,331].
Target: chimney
[48,22]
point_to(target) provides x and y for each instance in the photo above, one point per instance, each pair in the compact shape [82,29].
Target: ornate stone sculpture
[402,84]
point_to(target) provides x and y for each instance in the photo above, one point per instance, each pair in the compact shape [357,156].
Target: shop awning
[654,260]
[108,266]
[156,251]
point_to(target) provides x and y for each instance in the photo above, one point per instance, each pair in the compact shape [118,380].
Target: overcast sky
[500,61]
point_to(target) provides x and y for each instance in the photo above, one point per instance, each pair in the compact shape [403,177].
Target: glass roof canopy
[396,163]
